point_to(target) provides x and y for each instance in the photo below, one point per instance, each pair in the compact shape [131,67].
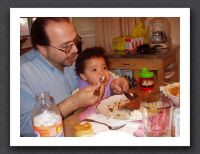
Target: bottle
[46,117]
[128,43]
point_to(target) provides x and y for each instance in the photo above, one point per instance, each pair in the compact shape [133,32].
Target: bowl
[172,91]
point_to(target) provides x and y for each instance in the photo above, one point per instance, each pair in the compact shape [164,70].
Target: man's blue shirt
[38,75]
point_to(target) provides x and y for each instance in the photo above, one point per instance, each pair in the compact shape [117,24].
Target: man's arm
[82,98]
[67,106]
[27,103]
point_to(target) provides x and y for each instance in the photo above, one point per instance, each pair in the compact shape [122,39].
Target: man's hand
[120,85]
[85,97]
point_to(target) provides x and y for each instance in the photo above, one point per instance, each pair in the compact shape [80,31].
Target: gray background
[5,74]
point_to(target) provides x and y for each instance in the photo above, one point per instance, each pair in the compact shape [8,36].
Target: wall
[86,29]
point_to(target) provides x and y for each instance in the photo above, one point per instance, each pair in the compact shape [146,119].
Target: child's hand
[119,85]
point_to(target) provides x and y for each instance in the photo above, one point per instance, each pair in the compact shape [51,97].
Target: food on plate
[172,89]
[114,107]
[84,130]
[175,91]
[124,109]
[130,105]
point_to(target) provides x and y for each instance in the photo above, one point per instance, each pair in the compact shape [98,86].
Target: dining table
[74,119]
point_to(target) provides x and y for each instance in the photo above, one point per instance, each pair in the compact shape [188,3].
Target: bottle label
[55,130]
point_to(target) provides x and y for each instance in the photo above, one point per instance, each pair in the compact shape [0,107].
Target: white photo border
[16,13]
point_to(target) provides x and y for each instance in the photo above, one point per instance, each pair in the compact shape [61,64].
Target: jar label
[148,82]
[55,130]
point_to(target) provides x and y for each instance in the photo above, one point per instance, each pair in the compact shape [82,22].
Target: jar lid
[145,73]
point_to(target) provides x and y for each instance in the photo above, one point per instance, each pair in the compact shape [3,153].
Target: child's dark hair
[89,53]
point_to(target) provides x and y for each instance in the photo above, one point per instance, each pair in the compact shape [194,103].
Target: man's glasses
[76,41]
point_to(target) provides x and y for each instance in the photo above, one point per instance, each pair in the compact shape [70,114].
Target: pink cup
[157,116]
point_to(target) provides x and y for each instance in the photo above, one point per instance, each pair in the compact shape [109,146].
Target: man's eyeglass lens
[76,41]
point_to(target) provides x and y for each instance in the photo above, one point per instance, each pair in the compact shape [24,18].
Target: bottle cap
[145,73]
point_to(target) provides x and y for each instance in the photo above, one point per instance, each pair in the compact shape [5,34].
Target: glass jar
[159,32]
[46,117]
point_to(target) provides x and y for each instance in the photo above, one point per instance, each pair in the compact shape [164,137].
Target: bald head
[38,30]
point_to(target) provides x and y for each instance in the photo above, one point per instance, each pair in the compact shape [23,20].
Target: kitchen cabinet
[157,62]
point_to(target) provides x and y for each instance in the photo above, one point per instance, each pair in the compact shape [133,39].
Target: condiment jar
[128,42]
[146,80]
[46,117]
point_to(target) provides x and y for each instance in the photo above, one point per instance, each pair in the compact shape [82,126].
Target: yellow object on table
[84,130]
[139,31]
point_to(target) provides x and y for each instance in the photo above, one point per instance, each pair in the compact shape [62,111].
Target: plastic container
[146,80]
[46,117]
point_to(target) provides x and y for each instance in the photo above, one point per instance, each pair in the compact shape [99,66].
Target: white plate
[166,91]
[109,108]
[114,134]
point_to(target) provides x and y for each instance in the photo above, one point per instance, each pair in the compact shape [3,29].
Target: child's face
[95,68]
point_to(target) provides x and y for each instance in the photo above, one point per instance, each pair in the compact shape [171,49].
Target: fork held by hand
[130,95]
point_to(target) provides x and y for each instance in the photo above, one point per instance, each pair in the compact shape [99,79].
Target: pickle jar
[146,80]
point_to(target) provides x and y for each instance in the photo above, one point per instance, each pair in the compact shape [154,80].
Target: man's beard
[71,60]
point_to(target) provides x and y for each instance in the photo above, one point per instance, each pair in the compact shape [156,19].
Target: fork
[110,127]
[130,95]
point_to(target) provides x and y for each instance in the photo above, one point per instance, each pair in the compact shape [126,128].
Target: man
[50,67]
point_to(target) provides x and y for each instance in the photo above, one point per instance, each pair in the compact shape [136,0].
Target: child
[92,68]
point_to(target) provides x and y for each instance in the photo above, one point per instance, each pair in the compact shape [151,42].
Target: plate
[110,107]
[113,134]
[167,90]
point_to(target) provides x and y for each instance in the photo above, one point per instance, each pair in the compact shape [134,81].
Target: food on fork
[84,130]
[97,91]
[102,79]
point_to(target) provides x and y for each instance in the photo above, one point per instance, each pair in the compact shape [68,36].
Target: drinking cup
[157,116]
